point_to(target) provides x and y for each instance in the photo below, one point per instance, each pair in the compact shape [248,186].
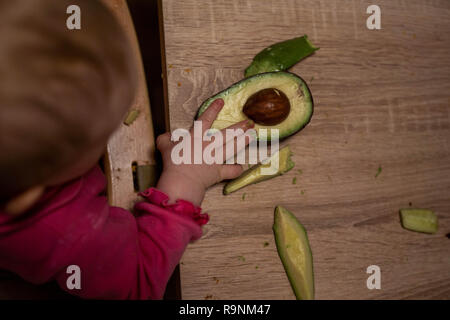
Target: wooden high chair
[131,149]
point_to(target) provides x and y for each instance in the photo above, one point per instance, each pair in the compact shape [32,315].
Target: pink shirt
[120,255]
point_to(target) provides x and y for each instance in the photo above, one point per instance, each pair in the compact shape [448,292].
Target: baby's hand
[190,181]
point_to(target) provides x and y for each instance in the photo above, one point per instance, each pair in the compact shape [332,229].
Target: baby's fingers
[163,141]
[237,144]
[210,114]
[244,125]
[230,171]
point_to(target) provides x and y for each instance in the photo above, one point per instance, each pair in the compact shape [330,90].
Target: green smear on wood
[378,172]
[131,116]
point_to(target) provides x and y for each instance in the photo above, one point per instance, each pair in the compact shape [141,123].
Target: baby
[62,94]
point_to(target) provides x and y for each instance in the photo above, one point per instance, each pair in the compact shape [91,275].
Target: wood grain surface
[133,143]
[382,99]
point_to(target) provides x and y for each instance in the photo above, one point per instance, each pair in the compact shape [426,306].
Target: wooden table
[382,99]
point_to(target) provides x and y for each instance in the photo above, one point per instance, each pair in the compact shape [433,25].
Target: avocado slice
[295,253]
[254,175]
[281,56]
[235,97]
[419,220]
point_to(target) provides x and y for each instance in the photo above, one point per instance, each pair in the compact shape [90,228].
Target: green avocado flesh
[295,253]
[235,97]
[255,174]
[420,220]
[281,56]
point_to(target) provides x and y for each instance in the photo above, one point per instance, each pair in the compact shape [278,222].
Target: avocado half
[291,85]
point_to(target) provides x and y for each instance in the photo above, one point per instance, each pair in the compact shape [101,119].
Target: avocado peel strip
[419,220]
[259,172]
[295,253]
[281,56]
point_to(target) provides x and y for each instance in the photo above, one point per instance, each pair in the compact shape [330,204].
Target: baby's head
[62,92]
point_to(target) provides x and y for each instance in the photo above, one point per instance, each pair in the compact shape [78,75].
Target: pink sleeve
[120,256]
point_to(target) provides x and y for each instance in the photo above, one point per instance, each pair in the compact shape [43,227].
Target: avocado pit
[267,107]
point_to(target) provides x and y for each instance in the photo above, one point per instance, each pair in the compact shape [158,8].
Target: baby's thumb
[163,141]
[230,171]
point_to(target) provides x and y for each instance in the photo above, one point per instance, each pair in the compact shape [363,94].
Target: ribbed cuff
[181,206]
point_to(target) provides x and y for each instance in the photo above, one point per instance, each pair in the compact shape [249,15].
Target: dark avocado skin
[305,89]
[312,103]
